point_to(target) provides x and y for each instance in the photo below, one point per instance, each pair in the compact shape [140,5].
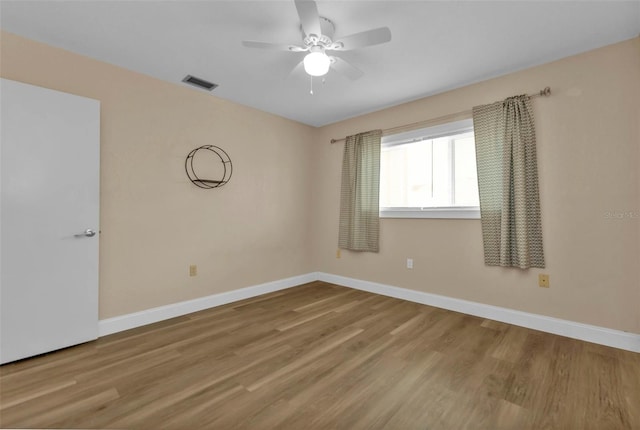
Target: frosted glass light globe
[317,63]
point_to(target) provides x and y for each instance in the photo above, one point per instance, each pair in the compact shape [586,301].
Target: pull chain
[311,84]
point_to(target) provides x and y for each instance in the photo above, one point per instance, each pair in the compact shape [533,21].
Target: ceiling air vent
[200,83]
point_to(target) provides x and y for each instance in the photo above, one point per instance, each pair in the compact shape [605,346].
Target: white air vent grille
[200,83]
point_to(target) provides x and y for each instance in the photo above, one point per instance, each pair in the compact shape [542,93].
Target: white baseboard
[590,333]
[161,313]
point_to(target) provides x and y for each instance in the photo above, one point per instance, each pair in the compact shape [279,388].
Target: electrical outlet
[193,270]
[543,280]
[338,253]
[409,263]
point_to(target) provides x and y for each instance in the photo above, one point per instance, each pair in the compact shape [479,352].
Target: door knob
[87,233]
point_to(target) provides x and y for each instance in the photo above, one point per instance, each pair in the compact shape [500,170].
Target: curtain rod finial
[546,91]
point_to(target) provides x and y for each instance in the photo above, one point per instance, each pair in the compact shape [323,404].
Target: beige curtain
[359,196]
[508,183]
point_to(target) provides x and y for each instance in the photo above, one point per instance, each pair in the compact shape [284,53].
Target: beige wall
[588,154]
[278,215]
[154,222]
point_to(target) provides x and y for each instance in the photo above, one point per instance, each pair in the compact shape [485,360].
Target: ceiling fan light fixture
[317,37]
[317,63]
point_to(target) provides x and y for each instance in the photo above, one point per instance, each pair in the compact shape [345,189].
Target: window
[430,173]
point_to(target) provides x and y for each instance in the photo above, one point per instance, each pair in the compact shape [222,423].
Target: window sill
[438,213]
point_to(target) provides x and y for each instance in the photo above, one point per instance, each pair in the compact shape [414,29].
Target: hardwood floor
[319,356]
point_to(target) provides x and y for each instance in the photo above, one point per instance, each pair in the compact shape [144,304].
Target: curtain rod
[446,118]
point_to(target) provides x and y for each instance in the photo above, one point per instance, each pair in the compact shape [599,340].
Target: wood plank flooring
[320,356]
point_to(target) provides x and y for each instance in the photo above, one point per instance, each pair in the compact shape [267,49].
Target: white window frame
[450,212]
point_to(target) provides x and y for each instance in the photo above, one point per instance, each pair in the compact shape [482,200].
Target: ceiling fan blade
[309,17]
[360,40]
[272,46]
[346,68]
[298,69]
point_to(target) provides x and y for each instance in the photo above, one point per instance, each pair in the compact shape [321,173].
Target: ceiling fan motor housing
[324,39]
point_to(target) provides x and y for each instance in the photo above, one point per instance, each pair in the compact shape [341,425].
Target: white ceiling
[436,46]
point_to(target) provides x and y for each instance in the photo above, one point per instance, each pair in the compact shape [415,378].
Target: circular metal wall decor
[223,174]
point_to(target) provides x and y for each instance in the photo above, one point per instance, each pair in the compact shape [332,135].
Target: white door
[49,207]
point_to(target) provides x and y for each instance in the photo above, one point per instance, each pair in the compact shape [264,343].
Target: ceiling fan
[317,34]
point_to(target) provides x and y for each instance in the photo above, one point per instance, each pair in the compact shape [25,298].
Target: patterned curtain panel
[359,196]
[508,183]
